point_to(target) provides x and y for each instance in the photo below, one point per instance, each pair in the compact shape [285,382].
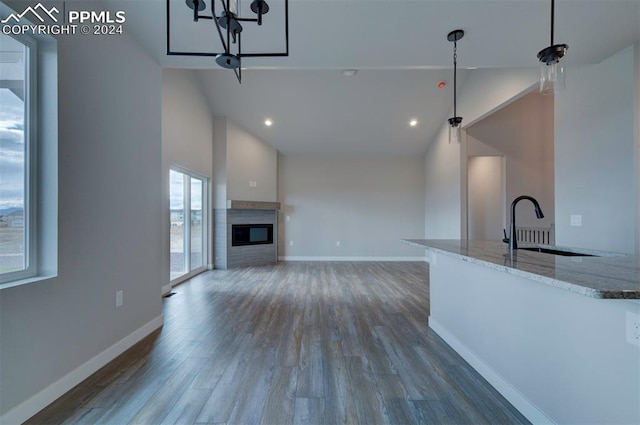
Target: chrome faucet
[512,240]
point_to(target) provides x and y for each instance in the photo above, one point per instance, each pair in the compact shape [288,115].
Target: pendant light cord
[553,8]
[455,75]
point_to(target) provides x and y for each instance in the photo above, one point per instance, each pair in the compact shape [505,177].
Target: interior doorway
[486,197]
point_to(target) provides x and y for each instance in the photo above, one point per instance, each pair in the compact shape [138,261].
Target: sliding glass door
[197,237]
[188,220]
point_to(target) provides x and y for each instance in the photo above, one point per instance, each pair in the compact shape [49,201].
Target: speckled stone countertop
[609,276]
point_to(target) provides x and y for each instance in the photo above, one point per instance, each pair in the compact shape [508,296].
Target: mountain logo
[34,11]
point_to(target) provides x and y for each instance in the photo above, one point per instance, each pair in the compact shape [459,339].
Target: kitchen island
[551,333]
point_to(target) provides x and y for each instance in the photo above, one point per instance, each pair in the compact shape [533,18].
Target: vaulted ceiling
[398,46]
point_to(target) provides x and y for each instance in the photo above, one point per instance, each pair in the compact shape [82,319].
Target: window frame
[31,162]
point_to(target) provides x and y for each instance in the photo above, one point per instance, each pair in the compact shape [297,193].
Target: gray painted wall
[594,151]
[187,135]
[238,159]
[110,219]
[442,189]
[187,124]
[486,197]
[523,133]
[250,159]
[484,92]
[368,204]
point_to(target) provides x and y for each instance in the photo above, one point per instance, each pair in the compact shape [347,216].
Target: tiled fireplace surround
[227,256]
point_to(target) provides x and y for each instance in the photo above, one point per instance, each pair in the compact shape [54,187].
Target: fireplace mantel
[252,205]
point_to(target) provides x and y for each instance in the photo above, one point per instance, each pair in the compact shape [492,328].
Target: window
[188,219]
[17,158]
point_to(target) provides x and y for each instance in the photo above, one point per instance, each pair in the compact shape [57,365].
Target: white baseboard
[166,289]
[508,391]
[42,399]
[299,258]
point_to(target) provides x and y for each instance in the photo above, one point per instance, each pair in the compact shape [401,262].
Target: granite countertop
[612,275]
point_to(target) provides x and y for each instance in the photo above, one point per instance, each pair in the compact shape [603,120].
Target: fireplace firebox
[251,234]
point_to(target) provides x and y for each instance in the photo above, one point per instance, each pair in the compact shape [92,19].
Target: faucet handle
[505,239]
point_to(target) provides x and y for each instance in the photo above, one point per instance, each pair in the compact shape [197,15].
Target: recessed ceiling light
[413,122]
[268,122]
[349,72]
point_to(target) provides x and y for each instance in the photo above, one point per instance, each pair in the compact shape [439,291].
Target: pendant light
[552,66]
[455,121]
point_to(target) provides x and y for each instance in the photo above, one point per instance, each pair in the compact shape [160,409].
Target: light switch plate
[576,220]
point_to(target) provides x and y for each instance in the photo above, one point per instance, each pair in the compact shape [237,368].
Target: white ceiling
[322,112]
[400,48]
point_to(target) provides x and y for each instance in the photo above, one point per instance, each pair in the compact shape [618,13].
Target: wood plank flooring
[294,343]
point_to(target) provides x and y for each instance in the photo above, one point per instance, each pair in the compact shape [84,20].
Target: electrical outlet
[338,244]
[633,328]
[290,243]
[288,218]
[119,299]
[253,184]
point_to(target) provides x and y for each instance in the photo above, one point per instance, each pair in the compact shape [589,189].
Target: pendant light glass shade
[455,135]
[455,130]
[553,70]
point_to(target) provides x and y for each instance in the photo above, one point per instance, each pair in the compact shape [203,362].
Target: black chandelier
[552,67]
[229,27]
[455,121]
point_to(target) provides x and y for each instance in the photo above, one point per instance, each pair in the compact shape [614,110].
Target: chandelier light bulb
[233,7]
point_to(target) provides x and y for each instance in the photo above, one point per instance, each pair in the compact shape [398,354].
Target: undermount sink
[557,252]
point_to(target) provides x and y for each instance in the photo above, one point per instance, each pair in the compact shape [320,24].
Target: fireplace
[251,234]
[245,234]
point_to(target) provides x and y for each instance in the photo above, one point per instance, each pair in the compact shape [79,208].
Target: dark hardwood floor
[303,343]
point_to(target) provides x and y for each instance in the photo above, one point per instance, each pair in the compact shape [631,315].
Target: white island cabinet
[552,334]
